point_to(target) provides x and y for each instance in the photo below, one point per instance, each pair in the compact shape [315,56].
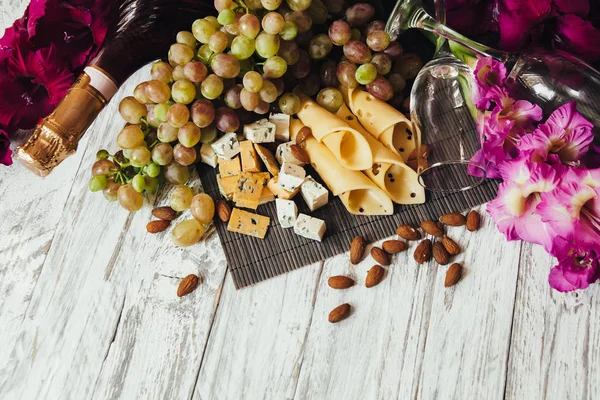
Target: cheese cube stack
[248,223]
[208,155]
[284,155]
[227,185]
[287,212]
[250,160]
[261,131]
[291,176]
[230,167]
[282,126]
[309,227]
[248,191]
[280,192]
[315,195]
[227,146]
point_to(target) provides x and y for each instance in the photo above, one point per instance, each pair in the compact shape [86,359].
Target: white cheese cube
[284,155]
[287,212]
[282,126]
[208,155]
[309,227]
[227,147]
[315,195]
[291,176]
[261,131]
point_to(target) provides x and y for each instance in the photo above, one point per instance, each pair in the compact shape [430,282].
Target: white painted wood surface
[88,311]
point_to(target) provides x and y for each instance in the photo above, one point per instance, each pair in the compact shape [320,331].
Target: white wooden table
[88,310]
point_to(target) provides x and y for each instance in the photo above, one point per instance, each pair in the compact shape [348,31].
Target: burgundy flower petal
[5,151]
[579,7]
[578,36]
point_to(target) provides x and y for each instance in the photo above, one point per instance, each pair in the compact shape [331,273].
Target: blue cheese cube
[284,155]
[227,147]
[287,212]
[282,126]
[309,227]
[291,176]
[315,195]
[261,131]
[208,155]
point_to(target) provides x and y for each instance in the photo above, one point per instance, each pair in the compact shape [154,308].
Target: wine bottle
[140,32]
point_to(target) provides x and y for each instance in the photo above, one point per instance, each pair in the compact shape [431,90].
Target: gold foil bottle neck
[57,136]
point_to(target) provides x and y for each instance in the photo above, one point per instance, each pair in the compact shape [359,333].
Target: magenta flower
[5,151]
[517,17]
[577,267]
[588,177]
[579,7]
[578,36]
[523,113]
[489,73]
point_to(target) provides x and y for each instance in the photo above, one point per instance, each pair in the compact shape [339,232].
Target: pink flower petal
[5,151]
[579,7]
[578,36]
[578,266]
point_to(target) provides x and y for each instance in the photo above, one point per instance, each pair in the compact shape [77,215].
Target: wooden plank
[554,348]
[469,328]
[256,345]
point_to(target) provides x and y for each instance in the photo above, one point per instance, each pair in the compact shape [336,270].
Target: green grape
[98,183]
[218,42]
[152,169]
[366,73]
[267,45]
[355,34]
[103,167]
[234,27]
[274,67]
[161,111]
[140,156]
[226,17]
[129,198]
[194,71]
[225,66]
[318,12]
[151,118]
[253,81]
[181,197]
[203,208]
[270,5]
[162,71]
[298,5]
[382,62]
[187,38]
[162,154]
[102,155]
[254,4]
[204,54]
[212,87]
[319,47]
[289,31]
[178,115]
[167,133]
[213,20]
[152,184]
[183,91]
[187,233]
[221,5]
[330,99]
[209,134]
[110,191]
[378,40]
[138,183]
[272,23]
[189,134]
[249,26]
[289,103]
[127,153]
[249,100]
[180,54]
[268,92]
[202,30]
[141,94]
[176,173]
[179,72]
[131,136]
[242,47]
[158,92]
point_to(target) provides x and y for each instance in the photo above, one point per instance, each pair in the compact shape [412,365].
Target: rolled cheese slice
[348,146]
[358,193]
[383,121]
[388,171]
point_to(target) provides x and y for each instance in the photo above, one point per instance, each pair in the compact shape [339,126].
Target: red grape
[381,88]
[346,74]
[232,97]
[339,32]
[328,74]
[203,113]
[227,120]
[359,14]
[357,52]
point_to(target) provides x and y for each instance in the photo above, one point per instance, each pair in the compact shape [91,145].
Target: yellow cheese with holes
[230,167]
[280,192]
[227,185]
[247,223]
[250,160]
[248,191]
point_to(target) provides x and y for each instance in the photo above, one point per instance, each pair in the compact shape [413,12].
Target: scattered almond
[164,213]
[380,256]
[303,134]
[453,219]
[453,275]
[394,246]
[473,221]
[223,210]
[357,249]
[157,226]
[299,153]
[187,285]
[423,251]
[374,276]
[440,254]
[340,282]
[450,245]
[408,232]
[339,313]
[432,228]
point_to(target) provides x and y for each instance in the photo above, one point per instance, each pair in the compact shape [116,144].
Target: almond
[394,246]
[453,275]
[357,249]
[453,219]
[340,282]
[303,134]
[440,254]
[374,276]
[187,285]
[223,210]
[423,251]
[157,226]
[299,153]
[450,245]
[339,313]
[408,232]
[473,221]
[432,228]
[165,213]
[380,256]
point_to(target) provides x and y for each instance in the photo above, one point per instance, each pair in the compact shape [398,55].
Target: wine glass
[547,78]
[440,109]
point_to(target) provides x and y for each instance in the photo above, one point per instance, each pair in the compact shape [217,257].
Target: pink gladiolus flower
[578,36]
[577,267]
[5,151]
[517,17]
[489,73]
[588,177]
[523,113]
